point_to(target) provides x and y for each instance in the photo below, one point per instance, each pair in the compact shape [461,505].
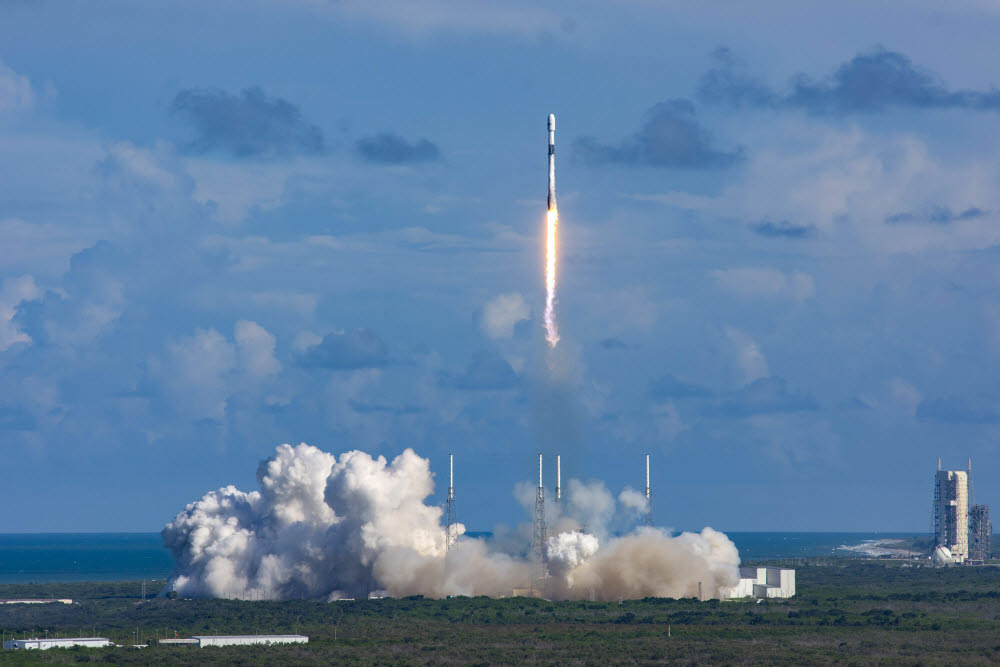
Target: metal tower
[647,518]
[558,479]
[538,541]
[968,482]
[450,513]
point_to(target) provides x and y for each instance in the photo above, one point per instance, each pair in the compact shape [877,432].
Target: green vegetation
[851,611]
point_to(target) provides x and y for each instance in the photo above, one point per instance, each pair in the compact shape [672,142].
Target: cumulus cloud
[256,349]
[391,149]
[845,182]
[749,357]
[195,370]
[250,124]
[329,527]
[755,282]
[873,80]
[502,313]
[13,292]
[671,136]
[346,350]
[91,300]
[201,372]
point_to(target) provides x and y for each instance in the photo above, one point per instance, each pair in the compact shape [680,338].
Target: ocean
[61,557]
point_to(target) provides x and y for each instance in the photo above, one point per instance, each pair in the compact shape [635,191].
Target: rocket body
[552,161]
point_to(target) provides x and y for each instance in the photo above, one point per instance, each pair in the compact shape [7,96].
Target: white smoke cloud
[632,500]
[331,527]
[502,313]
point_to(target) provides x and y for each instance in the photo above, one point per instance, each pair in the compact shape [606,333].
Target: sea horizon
[133,556]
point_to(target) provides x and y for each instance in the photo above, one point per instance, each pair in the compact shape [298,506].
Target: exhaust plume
[331,527]
[551,240]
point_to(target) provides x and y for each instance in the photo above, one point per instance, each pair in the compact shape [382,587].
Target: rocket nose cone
[552,122]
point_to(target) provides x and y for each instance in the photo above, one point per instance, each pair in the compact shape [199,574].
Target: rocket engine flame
[551,253]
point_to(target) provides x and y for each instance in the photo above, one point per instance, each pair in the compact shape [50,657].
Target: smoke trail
[330,527]
[551,252]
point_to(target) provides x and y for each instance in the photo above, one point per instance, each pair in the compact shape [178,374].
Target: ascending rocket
[551,243]
[552,161]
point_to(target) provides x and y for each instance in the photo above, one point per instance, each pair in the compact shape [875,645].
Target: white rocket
[552,161]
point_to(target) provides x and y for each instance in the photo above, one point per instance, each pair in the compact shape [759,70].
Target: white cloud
[16,93]
[201,372]
[306,339]
[13,293]
[195,372]
[751,282]
[502,313]
[749,357]
[256,350]
[846,182]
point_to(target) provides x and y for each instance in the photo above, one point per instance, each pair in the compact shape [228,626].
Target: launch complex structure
[540,526]
[962,529]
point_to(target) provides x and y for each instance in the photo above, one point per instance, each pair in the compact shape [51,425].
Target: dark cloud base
[391,149]
[251,124]
[871,81]
[671,136]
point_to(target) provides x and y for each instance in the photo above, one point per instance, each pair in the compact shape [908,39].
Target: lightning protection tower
[558,479]
[450,514]
[647,518]
[538,541]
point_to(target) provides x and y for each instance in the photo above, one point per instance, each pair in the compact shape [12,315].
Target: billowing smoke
[333,527]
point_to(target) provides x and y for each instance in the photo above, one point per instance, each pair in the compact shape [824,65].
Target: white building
[244,640]
[68,642]
[951,512]
[764,582]
[38,601]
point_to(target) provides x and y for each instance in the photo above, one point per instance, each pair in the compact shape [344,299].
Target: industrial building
[951,512]
[37,601]
[764,582]
[202,641]
[67,642]
[980,532]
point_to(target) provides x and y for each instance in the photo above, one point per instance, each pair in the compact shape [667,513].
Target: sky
[230,225]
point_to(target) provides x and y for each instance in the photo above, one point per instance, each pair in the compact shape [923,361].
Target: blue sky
[229,225]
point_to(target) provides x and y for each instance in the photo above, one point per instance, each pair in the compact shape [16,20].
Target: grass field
[849,611]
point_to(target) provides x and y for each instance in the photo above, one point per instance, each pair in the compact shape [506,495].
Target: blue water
[134,556]
[83,557]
